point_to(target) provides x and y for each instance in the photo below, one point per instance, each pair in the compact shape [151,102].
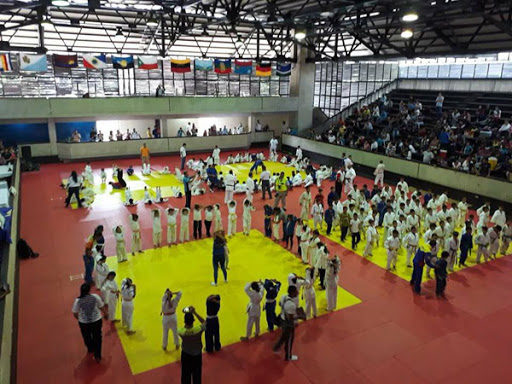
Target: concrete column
[163,126]
[302,85]
[52,134]
[251,125]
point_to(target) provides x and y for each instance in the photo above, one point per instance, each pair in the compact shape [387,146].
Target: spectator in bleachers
[76,137]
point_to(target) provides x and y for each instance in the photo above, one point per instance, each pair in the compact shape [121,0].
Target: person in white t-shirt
[288,317]
[183,155]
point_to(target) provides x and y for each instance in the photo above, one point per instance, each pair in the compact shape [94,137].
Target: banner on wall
[243,67]
[284,69]
[122,62]
[147,62]
[5,62]
[222,66]
[95,61]
[264,69]
[180,66]
[203,65]
[33,62]
[65,61]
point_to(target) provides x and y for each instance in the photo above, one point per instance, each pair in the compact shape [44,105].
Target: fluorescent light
[152,22]
[300,35]
[410,16]
[60,3]
[407,33]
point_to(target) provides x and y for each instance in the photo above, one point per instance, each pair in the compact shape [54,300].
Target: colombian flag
[180,66]
[264,69]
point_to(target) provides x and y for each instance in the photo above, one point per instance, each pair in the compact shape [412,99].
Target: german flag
[264,69]
[180,66]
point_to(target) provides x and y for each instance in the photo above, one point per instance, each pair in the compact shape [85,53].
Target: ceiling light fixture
[407,33]
[239,43]
[205,31]
[300,34]
[152,22]
[410,16]
[46,22]
[119,34]
[60,3]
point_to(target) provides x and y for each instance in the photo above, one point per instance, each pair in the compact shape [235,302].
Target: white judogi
[506,237]
[247,217]
[309,295]
[253,309]
[135,226]
[463,211]
[387,222]
[217,218]
[371,239]
[317,211]
[109,290]
[404,186]
[482,241]
[170,320]
[298,154]
[379,174]
[157,231]
[305,203]
[185,226]
[216,156]
[494,242]
[120,244]
[171,226]
[297,180]
[249,185]
[312,249]
[127,294]
[410,242]
[232,216]
[453,247]
[229,182]
[331,287]
[499,218]
[102,271]
[350,175]
[304,244]
[392,245]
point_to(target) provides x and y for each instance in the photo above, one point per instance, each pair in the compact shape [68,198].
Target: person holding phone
[191,347]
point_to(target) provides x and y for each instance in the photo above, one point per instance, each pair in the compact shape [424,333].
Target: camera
[186,310]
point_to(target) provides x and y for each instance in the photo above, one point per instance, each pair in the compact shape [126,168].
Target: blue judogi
[466,245]
[420,259]
[328,217]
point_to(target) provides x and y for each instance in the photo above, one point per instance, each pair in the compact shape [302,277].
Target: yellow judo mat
[168,183]
[380,254]
[188,267]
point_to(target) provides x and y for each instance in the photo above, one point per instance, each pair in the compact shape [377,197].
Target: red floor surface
[393,336]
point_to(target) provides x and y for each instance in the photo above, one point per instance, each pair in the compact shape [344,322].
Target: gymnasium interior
[312,89]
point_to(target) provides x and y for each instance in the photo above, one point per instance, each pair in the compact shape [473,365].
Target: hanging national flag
[203,65]
[284,69]
[65,61]
[122,62]
[147,62]
[264,69]
[95,61]
[180,66]
[243,67]
[33,62]
[222,66]
[5,62]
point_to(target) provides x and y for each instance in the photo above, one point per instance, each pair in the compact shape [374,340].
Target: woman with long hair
[73,186]
[88,309]
[219,256]
[128,292]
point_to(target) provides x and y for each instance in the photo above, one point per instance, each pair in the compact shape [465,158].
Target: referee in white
[87,309]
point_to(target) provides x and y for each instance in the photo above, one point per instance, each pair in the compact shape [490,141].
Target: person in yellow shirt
[144,156]
[281,191]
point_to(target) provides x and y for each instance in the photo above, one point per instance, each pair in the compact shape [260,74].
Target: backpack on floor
[24,250]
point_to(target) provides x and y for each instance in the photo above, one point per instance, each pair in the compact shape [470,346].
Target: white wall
[274,120]
[140,126]
[204,123]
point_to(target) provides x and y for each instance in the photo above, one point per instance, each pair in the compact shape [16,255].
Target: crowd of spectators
[7,154]
[472,141]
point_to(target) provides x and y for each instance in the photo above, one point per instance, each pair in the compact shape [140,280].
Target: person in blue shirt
[211,174]
[444,139]
[466,245]
[366,192]
[375,191]
[257,163]
[272,288]
[188,191]
[382,209]
[332,196]
[441,273]
[329,217]
[426,198]
[420,259]
[268,219]
[289,230]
